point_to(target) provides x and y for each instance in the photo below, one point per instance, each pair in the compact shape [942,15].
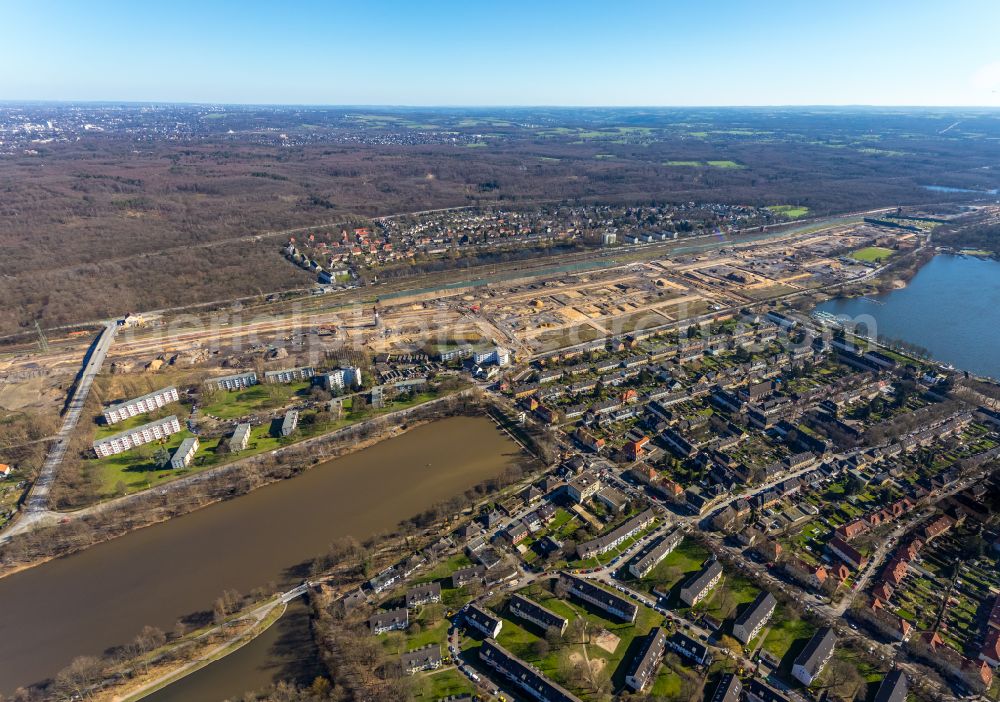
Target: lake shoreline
[100,597]
[132,503]
[948,310]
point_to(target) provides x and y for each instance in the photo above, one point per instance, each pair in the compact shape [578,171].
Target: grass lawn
[787,634]
[682,561]
[667,684]
[871,254]
[727,597]
[135,470]
[690,164]
[790,211]
[726,164]
[519,639]
[397,642]
[444,569]
[259,398]
[438,684]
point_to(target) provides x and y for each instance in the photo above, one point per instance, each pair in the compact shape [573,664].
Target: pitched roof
[817,651]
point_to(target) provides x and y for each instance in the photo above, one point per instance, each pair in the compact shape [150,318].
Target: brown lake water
[101,597]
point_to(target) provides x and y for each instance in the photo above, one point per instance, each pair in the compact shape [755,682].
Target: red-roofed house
[851,530]
[848,553]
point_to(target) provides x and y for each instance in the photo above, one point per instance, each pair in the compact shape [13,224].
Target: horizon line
[492,106]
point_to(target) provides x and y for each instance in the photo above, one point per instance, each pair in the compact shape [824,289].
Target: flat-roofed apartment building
[340,378]
[140,405]
[185,453]
[123,441]
[290,422]
[234,382]
[241,437]
[289,375]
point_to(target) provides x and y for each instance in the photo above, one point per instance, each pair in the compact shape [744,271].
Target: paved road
[37,505]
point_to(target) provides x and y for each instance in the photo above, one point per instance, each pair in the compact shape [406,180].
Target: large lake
[100,597]
[951,307]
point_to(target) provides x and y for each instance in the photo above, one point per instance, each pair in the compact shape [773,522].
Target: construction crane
[43,343]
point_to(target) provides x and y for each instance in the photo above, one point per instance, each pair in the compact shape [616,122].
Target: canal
[101,597]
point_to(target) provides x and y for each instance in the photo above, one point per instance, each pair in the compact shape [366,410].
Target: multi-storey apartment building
[139,405]
[138,436]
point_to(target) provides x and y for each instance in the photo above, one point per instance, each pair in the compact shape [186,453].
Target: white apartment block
[140,405]
[289,375]
[497,355]
[234,382]
[342,378]
[240,438]
[185,453]
[126,440]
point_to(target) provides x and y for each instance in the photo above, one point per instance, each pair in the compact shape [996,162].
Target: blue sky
[665,52]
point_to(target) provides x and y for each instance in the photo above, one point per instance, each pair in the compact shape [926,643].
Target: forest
[143,216]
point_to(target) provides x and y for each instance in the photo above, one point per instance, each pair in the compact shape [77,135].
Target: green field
[790,211]
[786,634]
[241,403]
[872,254]
[706,164]
[726,598]
[726,164]
[680,563]
[136,469]
[439,684]
[519,640]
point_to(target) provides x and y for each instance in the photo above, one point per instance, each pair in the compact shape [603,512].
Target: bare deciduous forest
[112,222]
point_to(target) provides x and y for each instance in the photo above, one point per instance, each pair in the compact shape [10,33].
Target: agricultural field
[723,163]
